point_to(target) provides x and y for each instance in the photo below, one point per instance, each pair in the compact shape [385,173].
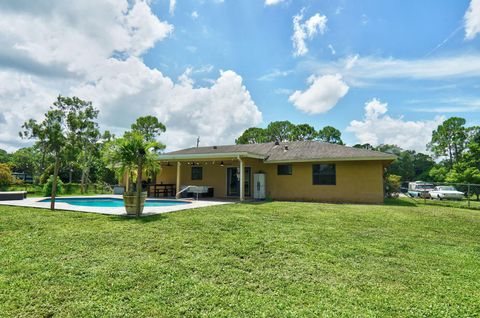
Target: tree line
[282,131]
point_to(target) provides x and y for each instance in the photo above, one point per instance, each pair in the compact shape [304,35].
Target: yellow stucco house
[298,171]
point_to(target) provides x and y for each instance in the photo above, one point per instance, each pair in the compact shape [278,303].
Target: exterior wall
[356,181]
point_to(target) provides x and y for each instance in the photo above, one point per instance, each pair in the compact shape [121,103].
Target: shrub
[47,173]
[47,188]
[392,185]
[5,175]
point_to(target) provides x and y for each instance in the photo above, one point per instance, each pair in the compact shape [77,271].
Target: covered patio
[221,175]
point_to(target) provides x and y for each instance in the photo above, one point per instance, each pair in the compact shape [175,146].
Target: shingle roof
[289,151]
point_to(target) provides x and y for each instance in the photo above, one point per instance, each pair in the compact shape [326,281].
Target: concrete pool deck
[148,210]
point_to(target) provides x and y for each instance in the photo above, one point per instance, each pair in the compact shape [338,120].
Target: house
[298,170]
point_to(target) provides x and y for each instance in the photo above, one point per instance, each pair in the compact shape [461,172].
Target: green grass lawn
[274,259]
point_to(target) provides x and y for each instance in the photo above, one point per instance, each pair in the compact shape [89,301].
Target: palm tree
[133,155]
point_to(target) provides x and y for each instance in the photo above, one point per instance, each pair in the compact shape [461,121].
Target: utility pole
[198,140]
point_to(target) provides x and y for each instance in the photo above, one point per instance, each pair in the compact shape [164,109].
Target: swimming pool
[113,202]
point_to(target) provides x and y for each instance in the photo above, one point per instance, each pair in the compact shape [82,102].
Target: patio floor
[148,210]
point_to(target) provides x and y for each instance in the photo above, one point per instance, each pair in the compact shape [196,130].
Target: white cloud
[472,20]
[275,73]
[308,29]
[356,68]
[379,128]
[460,104]
[218,113]
[316,24]
[192,49]
[171,7]
[273,2]
[332,49]
[97,55]
[21,98]
[322,95]
[194,15]
[283,91]
[364,19]
[76,38]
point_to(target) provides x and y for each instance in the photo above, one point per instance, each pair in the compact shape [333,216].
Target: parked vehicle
[420,189]
[447,193]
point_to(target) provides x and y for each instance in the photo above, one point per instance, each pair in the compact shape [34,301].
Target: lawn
[272,259]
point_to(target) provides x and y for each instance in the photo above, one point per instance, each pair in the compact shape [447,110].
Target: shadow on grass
[141,219]
[400,202]
[256,202]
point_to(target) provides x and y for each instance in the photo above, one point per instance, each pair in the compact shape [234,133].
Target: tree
[468,169]
[4,156]
[387,148]
[252,135]
[26,160]
[403,166]
[422,164]
[149,126]
[280,131]
[473,134]
[107,136]
[364,146]
[5,175]
[62,131]
[449,139]
[438,173]
[50,132]
[303,132]
[331,135]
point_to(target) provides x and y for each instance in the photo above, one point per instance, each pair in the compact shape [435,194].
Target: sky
[379,71]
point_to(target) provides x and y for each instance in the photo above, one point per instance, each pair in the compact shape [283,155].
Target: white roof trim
[210,156]
[332,159]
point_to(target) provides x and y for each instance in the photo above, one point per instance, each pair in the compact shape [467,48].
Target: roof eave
[333,159]
[211,156]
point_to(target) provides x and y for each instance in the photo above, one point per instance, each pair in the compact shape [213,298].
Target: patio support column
[242,179]
[178,180]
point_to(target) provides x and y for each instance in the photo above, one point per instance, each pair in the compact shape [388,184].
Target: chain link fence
[459,195]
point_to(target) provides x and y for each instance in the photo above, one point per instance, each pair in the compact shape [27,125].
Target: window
[324,174]
[284,170]
[197,173]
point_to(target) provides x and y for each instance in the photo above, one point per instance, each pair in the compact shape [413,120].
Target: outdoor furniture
[161,190]
[13,195]
[118,189]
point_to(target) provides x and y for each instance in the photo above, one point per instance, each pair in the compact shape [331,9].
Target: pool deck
[148,210]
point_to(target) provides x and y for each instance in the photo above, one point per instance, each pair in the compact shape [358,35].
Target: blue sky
[380,71]
[254,39]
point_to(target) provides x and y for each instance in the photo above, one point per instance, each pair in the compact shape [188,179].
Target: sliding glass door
[233,181]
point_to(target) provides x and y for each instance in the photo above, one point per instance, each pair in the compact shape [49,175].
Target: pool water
[112,202]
